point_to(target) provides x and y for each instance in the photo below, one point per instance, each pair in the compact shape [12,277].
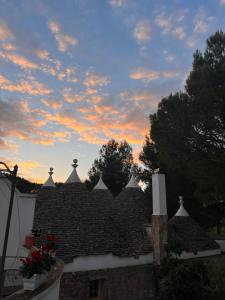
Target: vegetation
[114,163]
[187,139]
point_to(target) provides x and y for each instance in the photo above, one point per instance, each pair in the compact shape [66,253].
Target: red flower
[37,256]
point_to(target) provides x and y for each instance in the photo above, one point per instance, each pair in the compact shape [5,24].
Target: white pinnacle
[132,182]
[181,211]
[100,185]
[73,178]
[49,182]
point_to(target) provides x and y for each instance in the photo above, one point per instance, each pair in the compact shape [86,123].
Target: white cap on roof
[100,185]
[49,182]
[132,182]
[181,211]
[73,178]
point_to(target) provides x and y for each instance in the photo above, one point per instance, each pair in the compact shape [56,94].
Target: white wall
[221,243]
[108,261]
[52,293]
[207,253]
[21,222]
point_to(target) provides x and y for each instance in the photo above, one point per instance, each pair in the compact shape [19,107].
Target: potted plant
[35,267]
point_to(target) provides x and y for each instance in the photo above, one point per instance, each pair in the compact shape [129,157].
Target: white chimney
[159,217]
[159,195]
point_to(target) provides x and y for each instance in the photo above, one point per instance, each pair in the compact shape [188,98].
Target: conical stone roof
[131,212]
[185,232]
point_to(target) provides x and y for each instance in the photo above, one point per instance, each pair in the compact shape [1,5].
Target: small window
[94,289]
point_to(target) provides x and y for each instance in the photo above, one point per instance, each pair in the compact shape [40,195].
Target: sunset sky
[75,73]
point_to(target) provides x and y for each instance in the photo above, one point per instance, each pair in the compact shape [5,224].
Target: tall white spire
[73,178]
[132,182]
[181,211]
[100,185]
[49,182]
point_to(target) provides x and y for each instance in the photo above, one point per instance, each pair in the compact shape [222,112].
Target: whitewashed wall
[108,261]
[21,222]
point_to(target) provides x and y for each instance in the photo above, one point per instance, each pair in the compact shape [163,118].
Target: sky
[76,73]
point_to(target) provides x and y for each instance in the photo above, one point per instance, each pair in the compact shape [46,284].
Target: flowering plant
[35,263]
[51,242]
[40,260]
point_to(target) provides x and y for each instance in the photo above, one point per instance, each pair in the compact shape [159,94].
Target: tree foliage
[184,280]
[188,130]
[114,163]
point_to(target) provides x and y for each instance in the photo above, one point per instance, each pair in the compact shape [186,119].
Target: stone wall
[127,283]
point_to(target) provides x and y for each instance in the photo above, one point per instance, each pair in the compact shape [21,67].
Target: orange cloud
[64,41]
[144,74]
[19,60]
[71,97]
[67,74]
[54,104]
[29,164]
[5,32]
[150,75]
[92,79]
[8,47]
[31,87]
[42,54]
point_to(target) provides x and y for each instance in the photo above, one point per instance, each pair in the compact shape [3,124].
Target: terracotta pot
[34,282]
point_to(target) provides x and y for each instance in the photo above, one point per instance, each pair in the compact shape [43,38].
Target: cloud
[222,2]
[68,74]
[201,21]
[64,41]
[19,60]
[142,31]
[179,32]
[118,3]
[5,32]
[30,87]
[29,164]
[8,47]
[93,79]
[171,24]
[51,103]
[90,91]
[42,54]
[170,74]
[19,122]
[71,97]
[147,75]
[168,56]
[144,74]
[191,42]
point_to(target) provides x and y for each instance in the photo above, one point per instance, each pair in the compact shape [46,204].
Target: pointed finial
[73,178]
[51,171]
[49,182]
[181,201]
[181,211]
[75,165]
[156,171]
[132,182]
[100,185]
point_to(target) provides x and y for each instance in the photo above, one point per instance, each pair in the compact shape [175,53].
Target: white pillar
[159,217]
[159,195]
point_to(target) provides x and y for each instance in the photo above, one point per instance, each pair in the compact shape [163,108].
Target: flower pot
[34,282]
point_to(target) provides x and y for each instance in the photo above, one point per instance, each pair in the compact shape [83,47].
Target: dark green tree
[114,163]
[188,130]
